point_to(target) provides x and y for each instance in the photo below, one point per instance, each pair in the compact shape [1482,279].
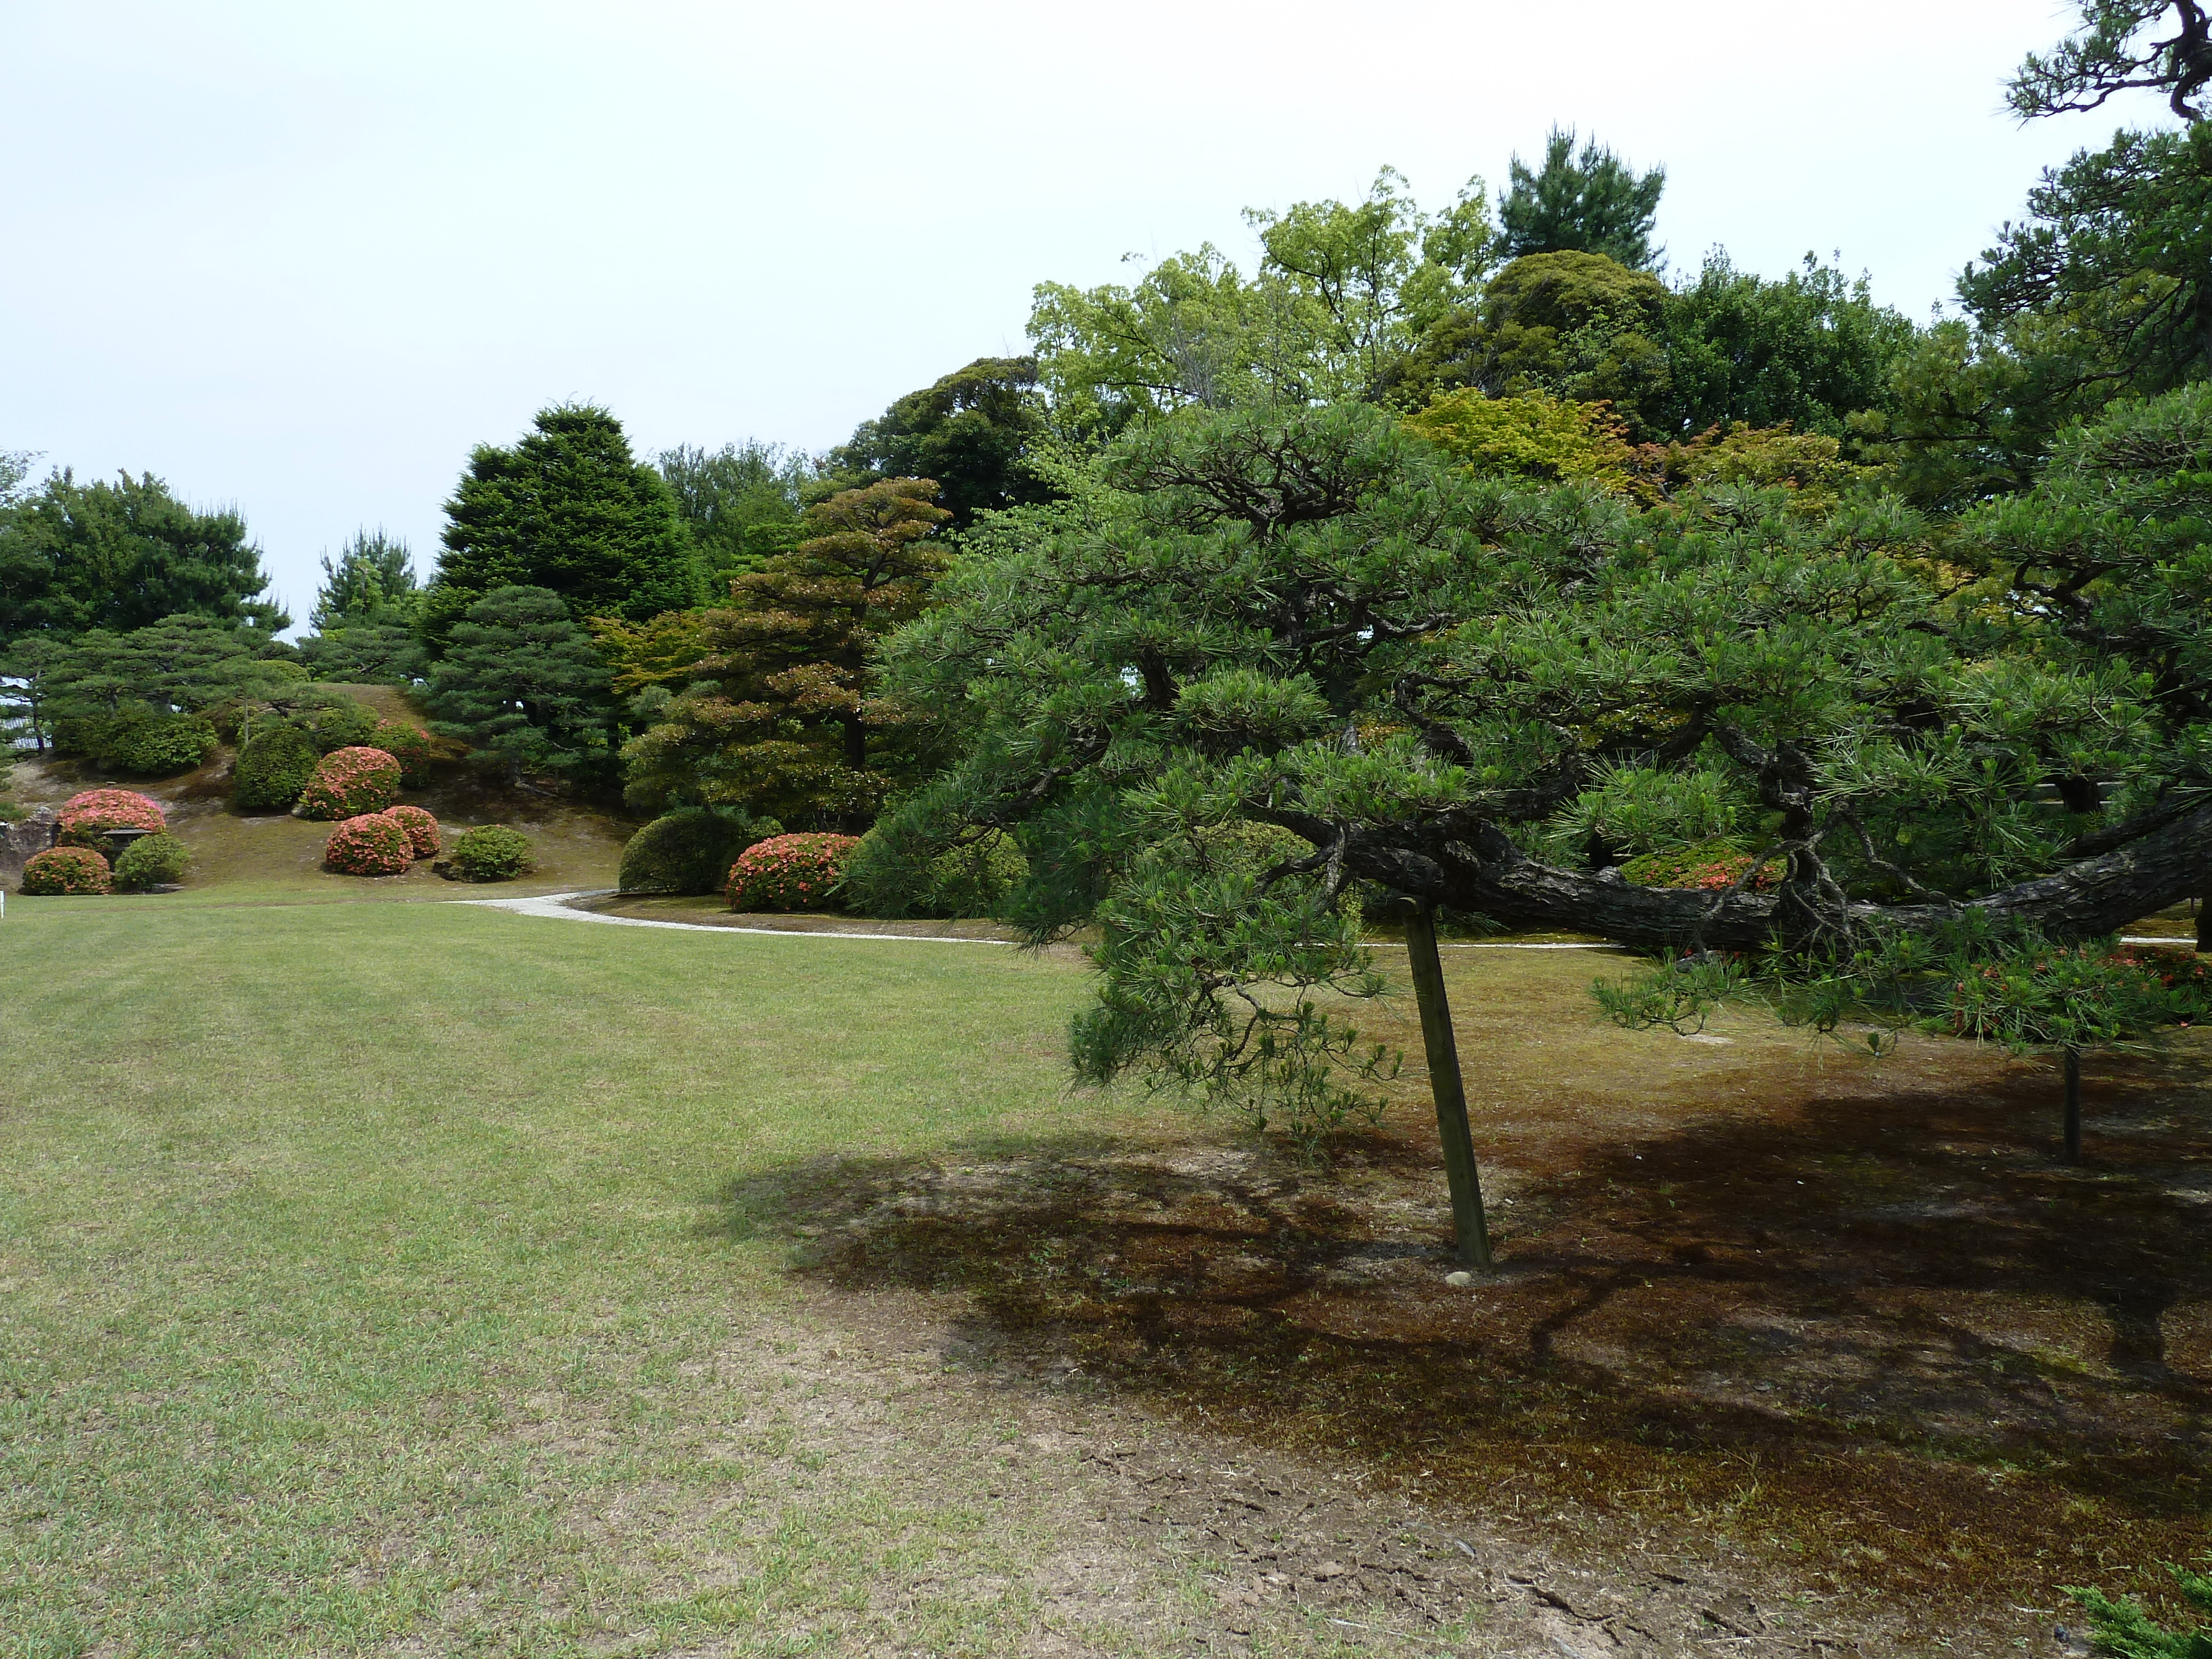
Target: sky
[300,259]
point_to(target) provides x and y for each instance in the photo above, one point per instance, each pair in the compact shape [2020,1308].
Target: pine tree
[780,718]
[570,510]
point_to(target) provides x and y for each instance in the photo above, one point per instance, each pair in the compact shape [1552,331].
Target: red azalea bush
[86,818]
[372,844]
[1711,865]
[790,873]
[351,783]
[61,870]
[421,828]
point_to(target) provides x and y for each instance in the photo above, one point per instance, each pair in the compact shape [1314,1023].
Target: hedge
[791,872]
[349,783]
[151,861]
[492,852]
[86,819]
[372,844]
[687,851]
[421,829]
[65,870]
[273,768]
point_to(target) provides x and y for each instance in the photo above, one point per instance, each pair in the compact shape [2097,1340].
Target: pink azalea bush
[791,872]
[349,783]
[86,818]
[61,870]
[372,844]
[421,828]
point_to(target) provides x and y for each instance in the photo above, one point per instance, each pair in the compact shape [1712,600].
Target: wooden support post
[1469,1228]
[2073,1105]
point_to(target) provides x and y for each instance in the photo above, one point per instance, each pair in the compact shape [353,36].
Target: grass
[357,1283]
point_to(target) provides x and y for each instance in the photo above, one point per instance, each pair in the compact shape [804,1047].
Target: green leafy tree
[972,431]
[779,716]
[741,504]
[523,684]
[1588,202]
[1811,349]
[568,510]
[118,556]
[1306,619]
[1343,295]
[2116,49]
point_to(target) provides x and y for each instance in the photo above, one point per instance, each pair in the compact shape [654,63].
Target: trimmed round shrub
[408,745]
[64,870]
[372,844]
[421,829]
[160,745]
[351,783]
[151,861]
[791,872]
[492,852]
[273,768]
[688,851]
[86,819]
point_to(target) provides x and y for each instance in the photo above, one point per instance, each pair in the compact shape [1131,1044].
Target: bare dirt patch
[1779,1316]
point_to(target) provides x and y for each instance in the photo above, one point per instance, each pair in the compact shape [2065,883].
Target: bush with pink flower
[65,870]
[86,819]
[421,829]
[349,783]
[792,872]
[372,844]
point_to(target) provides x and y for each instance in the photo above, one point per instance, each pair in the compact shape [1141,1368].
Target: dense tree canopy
[76,557]
[570,510]
[973,431]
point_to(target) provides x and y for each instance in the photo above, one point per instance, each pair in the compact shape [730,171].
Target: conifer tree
[568,509]
[780,717]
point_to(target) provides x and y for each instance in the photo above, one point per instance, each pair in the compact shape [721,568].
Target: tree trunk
[2073,1105]
[1450,1090]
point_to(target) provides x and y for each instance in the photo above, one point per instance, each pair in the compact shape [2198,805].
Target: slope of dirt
[264,856]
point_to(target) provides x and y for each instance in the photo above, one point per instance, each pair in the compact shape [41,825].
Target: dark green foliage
[367,654]
[2125,1631]
[152,861]
[155,745]
[273,768]
[373,580]
[492,852]
[1590,202]
[970,431]
[524,685]
[1809,349]
[75,557]
[740,503]
[569,511]
[2121,46]
[690,850]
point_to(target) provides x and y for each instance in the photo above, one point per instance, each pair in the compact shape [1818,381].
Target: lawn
[420,1279]
[364,1277]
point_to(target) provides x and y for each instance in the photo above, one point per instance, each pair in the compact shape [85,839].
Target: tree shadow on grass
[1884,1334]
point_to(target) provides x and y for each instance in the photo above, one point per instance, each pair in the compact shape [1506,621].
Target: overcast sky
[300,259]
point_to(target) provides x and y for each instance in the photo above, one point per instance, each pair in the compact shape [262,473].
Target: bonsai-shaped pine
[1305,619]
[523,683]
[781,718]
